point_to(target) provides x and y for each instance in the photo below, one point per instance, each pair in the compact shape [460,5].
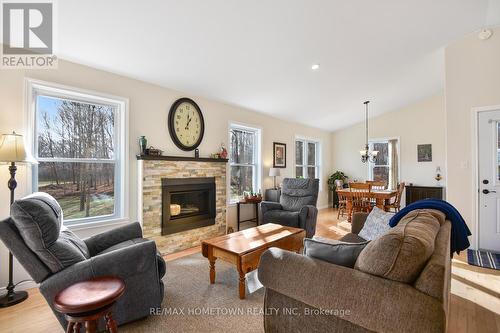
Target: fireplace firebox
[187,203]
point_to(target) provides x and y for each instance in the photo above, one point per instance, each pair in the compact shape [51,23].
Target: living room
[209,133]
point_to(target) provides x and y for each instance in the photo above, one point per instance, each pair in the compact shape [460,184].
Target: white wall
[420,123]
[472,80]
[149,106]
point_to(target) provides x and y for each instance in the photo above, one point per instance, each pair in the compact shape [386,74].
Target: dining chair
[342,202]
[396,205]
[360,193]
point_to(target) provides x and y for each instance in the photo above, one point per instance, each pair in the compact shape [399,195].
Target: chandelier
[366,154]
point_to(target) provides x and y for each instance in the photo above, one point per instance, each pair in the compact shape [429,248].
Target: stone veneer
[152,173]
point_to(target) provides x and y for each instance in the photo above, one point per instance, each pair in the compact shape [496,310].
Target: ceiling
[258,54]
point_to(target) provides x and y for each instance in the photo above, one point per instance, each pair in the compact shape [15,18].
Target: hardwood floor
[475,299]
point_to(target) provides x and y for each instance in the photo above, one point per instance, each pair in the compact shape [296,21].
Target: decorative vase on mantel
[143,144]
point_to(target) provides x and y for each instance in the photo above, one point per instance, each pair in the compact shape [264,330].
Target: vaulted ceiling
[258,54]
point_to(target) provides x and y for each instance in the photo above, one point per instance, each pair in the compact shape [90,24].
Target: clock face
[186,124]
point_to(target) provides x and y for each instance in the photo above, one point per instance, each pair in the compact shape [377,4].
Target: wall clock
[186,124]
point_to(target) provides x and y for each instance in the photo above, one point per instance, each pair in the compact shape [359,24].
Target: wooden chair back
[360,193]
[342,196]
[401,187]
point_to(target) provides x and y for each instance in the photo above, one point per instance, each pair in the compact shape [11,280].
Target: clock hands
[188,121]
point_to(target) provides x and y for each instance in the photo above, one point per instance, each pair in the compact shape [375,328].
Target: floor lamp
[12,151]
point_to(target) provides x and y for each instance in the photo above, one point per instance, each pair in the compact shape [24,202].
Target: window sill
[97,224]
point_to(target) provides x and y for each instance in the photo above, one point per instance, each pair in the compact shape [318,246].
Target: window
[79,142]
[244,161]
[307,159]
[385,168]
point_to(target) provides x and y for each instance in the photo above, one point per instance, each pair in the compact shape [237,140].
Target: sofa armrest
[372,302]
[308,216]
[102,241]
[268,205]
[358,221]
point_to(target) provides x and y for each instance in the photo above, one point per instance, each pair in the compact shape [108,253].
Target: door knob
[485,191]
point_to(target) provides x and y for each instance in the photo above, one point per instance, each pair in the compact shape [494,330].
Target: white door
[489,180]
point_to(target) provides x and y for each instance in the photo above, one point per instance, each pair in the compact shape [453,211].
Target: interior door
[489,180]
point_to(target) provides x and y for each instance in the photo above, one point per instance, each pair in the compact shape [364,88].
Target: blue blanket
[459,229]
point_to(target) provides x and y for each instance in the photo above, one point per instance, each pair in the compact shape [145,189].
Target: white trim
[475,168]
[258,155]
[121,135]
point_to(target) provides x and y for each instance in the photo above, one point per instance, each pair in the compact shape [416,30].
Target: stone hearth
[150,190]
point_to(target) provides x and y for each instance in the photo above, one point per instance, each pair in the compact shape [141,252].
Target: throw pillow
[401,253]
[38,218]
[335,252]
[376,224]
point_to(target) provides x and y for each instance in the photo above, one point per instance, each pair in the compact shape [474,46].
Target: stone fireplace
[183,200]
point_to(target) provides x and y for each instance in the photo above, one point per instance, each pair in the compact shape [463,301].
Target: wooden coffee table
[243,248]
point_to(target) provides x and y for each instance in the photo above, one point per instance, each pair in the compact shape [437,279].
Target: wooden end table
[244,248]
[84,303]
[238,212]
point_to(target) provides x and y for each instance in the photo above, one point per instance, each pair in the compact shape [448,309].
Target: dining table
[382,198]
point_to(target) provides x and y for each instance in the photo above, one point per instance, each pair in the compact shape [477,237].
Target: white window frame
[257,165]
[33,88]
[371,165]
[318,156]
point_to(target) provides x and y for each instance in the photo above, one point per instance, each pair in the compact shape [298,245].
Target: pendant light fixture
[366,154]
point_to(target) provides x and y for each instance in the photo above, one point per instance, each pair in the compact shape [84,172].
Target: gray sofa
[377,295]
[297,206]
[56,258]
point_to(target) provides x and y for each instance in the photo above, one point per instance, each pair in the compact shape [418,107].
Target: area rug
[192,304]
[483,259]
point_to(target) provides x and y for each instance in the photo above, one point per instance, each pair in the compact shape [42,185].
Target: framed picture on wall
[279,155]
[424,153]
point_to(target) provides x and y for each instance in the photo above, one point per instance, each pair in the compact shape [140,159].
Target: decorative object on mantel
[12,151]
[143,144]
[274,172]
[197,153]
[152,151]
[223,151]
[366,154]
[438,176]
[424,153]
[186,124]
[279,155]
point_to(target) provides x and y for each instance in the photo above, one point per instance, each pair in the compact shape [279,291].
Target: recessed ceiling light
[485,34]
[315,67]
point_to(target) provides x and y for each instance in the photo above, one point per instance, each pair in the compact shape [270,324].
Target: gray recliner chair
[56,258]
[297,206]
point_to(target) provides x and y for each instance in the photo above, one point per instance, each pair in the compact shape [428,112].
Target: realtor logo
[28,30]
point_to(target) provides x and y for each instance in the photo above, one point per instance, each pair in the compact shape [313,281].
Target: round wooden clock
[186,124]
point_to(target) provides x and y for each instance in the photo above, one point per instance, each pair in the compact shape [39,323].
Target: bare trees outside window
[75,147]
[307,159]
[244,161]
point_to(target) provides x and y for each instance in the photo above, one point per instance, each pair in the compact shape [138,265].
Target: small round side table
[84,303]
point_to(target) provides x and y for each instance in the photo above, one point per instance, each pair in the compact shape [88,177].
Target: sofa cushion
[401,253]
[376,224]
[283,217]
[333,251]
[38,218]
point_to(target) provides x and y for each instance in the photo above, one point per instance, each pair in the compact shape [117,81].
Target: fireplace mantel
[181,158]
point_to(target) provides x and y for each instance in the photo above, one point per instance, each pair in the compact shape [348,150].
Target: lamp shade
[274,172]
[12,149]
